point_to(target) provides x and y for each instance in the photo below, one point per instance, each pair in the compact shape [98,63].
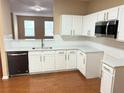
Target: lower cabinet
[107,79]
[81,62]
[89,64]
[60,59]
[48,61]
[71,59]
[35,62]
[112,80]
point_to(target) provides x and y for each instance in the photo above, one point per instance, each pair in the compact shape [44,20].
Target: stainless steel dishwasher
[18,62]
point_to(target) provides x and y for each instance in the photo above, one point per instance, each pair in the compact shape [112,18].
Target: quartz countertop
[114,63]
[86,49]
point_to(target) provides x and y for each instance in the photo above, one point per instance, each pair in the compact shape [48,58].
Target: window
[33,27]
[48,28]
[29,28]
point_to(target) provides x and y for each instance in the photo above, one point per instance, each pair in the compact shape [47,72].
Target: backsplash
[111,47]
[101,40]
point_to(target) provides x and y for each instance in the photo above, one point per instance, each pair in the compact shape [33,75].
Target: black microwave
[106,29]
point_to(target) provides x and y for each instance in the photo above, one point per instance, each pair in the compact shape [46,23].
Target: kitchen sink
[40,48]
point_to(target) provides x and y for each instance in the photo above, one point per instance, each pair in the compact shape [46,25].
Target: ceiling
[23,7]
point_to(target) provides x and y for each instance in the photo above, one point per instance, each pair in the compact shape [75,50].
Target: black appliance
[107,29]
[18,62]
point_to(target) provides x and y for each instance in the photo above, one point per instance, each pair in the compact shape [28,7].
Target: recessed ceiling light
[38,8]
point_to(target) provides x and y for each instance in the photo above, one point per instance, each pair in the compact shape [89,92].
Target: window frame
[25,31]
[48,19]
[39,27]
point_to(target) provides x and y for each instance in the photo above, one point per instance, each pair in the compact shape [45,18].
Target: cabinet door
[60,58]
[106,81]
[77,25]
[89,22]
[121,24]
[72,59]
[112,13]
[101,16]
[66,24]
[92,22]
[48,61]
[81,64]
[85,25]
[35,63]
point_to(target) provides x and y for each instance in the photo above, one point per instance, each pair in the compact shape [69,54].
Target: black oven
[107,29]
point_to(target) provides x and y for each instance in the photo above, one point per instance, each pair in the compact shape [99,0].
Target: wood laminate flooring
[64,82]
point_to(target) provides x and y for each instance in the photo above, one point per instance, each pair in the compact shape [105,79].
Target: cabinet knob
[61,52]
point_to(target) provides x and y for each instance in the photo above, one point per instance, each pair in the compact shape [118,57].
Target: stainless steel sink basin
[39,48]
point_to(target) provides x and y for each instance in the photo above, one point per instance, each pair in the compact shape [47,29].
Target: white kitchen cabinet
[89,64]
[60,59]
[112,13]
[66,24]
[112,78]
[86,25]
[81,62]
[89,22]
[71,25]
[48,61]
[77,25]
[101,16]
[109,14]
[35,62]
[71,59]
[107,79]
[120,35]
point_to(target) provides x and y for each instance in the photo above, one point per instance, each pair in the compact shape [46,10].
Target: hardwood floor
[64,82]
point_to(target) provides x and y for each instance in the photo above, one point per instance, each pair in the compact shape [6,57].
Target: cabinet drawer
[35,53]
[107,68]
[61,52]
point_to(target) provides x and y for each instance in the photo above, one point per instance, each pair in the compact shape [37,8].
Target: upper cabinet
[89,22]
[112,13]
[101,16]
[71,25]
[109,14]
[120,36]
[75,25]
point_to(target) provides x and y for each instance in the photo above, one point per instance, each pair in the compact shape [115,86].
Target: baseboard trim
[5,77]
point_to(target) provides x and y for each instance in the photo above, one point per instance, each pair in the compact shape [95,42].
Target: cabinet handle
[61,52]
[83,61]
[72,52]
[104,16]
[65,57]
[44,58]
[68,57]
[88,33]
[107,15]
[107,69]
[81,53]
[41,59]
[73,32]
